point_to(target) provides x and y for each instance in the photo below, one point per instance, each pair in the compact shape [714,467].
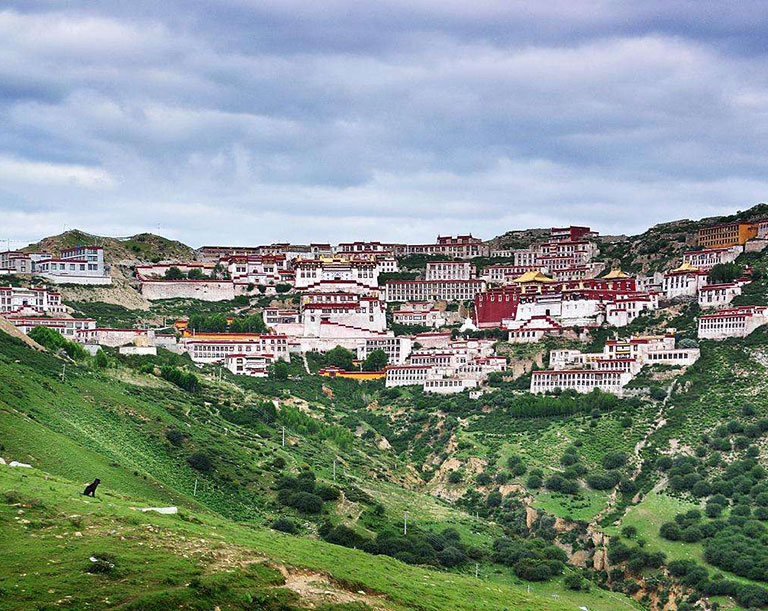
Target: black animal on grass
[90,489]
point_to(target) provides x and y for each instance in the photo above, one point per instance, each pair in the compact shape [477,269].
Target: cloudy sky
[252,121]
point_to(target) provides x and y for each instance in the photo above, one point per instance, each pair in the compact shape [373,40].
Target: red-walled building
[494,305]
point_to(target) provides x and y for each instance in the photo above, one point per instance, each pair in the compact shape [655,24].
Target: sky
[258,121]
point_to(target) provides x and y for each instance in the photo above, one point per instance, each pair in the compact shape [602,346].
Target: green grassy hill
[114,423]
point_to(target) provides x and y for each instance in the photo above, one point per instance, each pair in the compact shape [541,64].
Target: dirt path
[659,421]
[318,588]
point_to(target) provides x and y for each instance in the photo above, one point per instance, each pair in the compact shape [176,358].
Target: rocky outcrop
[531,515]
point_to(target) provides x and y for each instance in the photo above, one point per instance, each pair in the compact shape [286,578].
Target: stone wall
[189,289]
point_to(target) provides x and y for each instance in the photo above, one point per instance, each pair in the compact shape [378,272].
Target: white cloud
[256,123]
[53,174]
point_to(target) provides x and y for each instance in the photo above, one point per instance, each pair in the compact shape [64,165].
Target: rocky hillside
[656,249]
[140,248]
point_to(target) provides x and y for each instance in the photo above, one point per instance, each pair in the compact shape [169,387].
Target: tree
[306,502]
[285,525]
[724,272]
[101,359]
[375,361]
[614,460]
[200,461]
[173,273]
[341,357]
[451,556]
[55,341]
[279,370]
[195,274]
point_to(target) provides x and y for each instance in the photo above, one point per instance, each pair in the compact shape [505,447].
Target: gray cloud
[233,122]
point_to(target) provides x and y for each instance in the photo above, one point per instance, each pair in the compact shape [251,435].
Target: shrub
[534,569]
[200,461]
[306,502]
[494,499]
[533,481]
[614,460]
[691,534]
[629,532]
[375,361]
[55,342]
[604,481]
[670,531]
[343,535]
[328,493]
[175,437]
[483,479]
[454,477]
[284,525]
[451,556]
[574,581]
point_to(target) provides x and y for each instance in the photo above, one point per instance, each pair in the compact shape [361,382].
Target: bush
[604,481]
[306,502]
[574,581]
[175,437]
[629,532]
[375,361]
[341,357]
[451,556]
[670,531]
[328,493]
[454,477]
[284,525]
[200,461]
[534,569]
[55,342]
[343,535]
[691,534]
[483,479]
[182,379]
[614,460]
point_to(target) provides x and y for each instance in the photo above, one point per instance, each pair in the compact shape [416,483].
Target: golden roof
[533,276]
[686,267]
[615,274]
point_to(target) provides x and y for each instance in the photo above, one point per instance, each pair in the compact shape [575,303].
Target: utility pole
[194,492]
[63,372]
[477,570]
[283,436]
[334,469]
[405,523]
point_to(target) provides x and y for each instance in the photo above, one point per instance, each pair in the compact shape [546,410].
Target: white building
[78,265]
[685,281]
[624,308]
[397,348]
[449,270]
[214,347]
[30,301]
[18,262]
[448,369]
[580,380]
[707,258]
[718,295]
[533,330]
[256,365]
[422,314]
[312,273]
[732,322]
[68,327]
[364,314]
[622,357]
[433,290]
